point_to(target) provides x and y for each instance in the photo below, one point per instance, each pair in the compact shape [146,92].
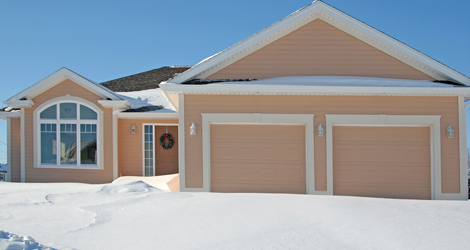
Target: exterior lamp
[133,129]
[192,129]
[450,132]
[320,130]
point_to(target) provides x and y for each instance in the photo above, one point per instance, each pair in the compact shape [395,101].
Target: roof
[145,80]
[340,20]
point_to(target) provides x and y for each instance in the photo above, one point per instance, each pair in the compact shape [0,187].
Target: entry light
[450,132]
[192,129]
[133,129]
[320,130]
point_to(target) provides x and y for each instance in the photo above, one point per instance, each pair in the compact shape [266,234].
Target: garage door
[258,158]
[388,162]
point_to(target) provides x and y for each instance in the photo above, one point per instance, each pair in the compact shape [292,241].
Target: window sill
[95,167]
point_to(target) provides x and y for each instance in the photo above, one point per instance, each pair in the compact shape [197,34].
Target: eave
[246,89]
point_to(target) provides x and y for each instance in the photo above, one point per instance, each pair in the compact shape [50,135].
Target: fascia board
[57,77]
[316,90]
[19,103]
[146,115]
[114,103]
[5,115]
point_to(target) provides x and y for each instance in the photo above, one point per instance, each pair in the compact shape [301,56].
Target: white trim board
[432,121]
[259,119]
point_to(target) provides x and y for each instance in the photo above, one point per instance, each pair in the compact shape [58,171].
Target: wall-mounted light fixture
[192,129]
[450,132]
[133,129]
[320,130]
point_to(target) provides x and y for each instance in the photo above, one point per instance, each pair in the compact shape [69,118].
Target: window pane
[88,145]
[49,113]
[87,114]
[68,144]
[68,111]
[48,145]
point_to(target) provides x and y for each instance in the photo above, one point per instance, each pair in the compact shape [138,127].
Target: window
[68,135]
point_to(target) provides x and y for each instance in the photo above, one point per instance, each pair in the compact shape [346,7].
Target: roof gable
[318,49]
[58,77]
[336,18]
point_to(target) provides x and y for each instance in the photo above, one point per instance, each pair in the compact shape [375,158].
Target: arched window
[68,133]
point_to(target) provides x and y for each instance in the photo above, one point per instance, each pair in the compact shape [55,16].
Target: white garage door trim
[432,121]
[258,119]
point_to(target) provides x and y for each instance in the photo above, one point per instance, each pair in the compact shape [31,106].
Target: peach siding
[384,162]
[319,48]
[68,175]
[447,107]
[130,145]
[258,159]
[15,149]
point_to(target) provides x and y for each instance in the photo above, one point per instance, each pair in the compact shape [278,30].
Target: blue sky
[104,40]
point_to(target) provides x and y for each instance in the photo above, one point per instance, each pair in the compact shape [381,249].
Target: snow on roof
[341,81]
[150,97]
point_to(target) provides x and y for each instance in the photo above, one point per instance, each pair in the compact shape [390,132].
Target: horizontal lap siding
[15,149]
[130,145]
[321,105]
[34,174]
[318,48]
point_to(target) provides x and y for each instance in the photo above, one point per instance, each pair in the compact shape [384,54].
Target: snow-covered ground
[135,215]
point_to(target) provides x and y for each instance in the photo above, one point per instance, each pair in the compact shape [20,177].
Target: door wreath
[166,140]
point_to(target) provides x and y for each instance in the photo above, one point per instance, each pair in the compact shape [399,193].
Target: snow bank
[136,215]
[150,97]
[13,241]
[163,182]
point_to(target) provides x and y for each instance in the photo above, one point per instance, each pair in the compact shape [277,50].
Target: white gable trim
[320,10]
[59,76]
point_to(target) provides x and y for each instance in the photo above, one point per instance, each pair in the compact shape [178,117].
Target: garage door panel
[395,165]
[267,163]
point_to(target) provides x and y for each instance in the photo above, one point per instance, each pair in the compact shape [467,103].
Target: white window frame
[99,132]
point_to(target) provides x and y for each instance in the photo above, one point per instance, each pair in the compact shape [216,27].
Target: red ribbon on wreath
[166,140]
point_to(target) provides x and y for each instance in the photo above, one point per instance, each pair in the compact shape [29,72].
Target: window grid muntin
[77,121]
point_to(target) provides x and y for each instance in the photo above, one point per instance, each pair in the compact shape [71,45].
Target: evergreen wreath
[166,140]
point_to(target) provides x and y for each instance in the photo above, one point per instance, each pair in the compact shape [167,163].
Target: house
[317,103]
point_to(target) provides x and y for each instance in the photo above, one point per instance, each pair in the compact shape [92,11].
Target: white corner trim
[100,138]
[463,195]
[19,103]
[9,149]
[23,147]
[114,103]
[115,146]
[182,146]
[432,121]
[259,119]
